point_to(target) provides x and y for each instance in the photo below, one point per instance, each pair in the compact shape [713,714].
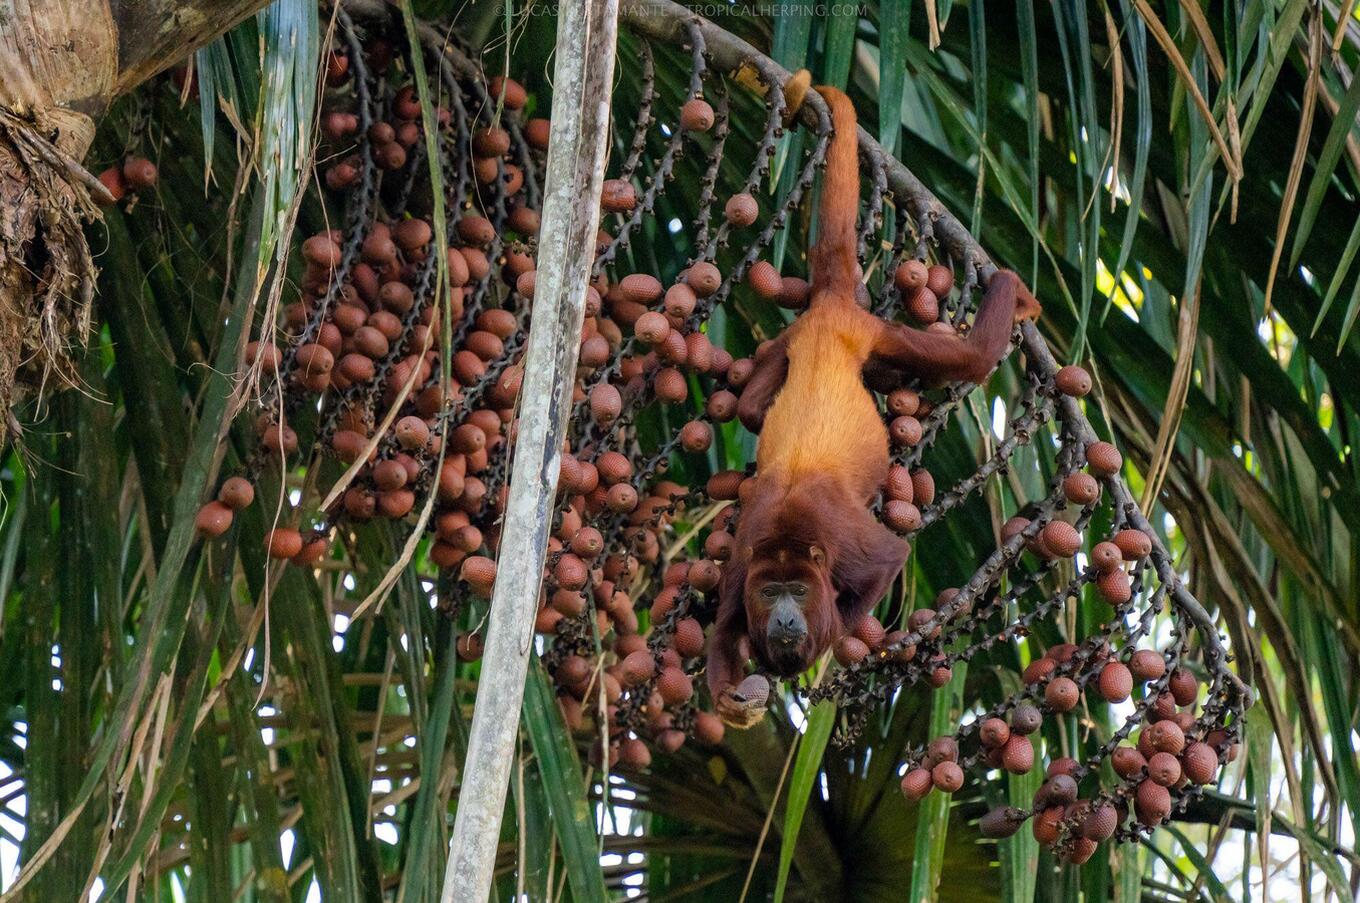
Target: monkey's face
[787,597]
[786,628]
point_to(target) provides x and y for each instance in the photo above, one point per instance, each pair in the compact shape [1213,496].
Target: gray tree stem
[582,80]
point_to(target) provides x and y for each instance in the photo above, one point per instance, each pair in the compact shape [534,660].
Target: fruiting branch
[626,611]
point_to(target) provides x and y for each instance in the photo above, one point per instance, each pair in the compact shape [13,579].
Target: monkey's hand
[743,706]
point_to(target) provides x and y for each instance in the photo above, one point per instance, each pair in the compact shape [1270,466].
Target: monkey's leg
[939,358]
[771,369]
[882,377]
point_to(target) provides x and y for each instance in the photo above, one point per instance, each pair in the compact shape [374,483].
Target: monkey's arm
[944,358]
[869,560]
[739,700]
[771,369]
[725,664]
[734,694]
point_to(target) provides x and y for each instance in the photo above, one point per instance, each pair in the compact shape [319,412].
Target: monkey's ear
[818,555]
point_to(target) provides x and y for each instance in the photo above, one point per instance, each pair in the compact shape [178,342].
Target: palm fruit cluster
[1180,712]
[354,385]
[391,400]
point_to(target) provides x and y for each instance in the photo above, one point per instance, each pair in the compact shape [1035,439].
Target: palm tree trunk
[62,63]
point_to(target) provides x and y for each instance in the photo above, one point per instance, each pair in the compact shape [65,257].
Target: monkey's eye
[769,592]
[799,590]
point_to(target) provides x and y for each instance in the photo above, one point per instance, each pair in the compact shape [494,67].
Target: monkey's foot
[743,706]
[1027,307]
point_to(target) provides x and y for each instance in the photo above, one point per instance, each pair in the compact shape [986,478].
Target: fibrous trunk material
[58,63]
[62,62]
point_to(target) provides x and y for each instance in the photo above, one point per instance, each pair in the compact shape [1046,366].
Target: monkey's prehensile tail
[834,259]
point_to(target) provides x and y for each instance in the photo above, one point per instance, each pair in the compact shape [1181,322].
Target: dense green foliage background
[1094,147]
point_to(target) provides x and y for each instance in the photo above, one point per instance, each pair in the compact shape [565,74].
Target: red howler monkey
[810,559]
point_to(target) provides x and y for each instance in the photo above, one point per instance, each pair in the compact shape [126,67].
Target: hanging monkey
[810,559]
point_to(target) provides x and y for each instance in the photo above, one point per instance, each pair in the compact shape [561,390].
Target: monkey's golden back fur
[824,420]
